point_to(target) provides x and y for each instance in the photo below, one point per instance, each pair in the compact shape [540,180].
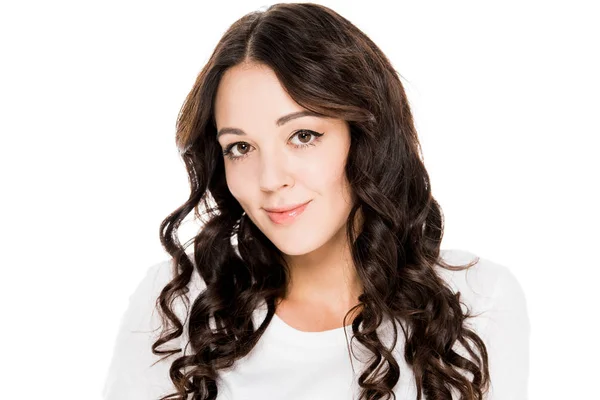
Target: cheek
[238,186]
[326,174]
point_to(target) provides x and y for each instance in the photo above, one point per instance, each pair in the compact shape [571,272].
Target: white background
[505,97]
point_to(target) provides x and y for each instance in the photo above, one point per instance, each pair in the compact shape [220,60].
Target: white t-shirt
[291,364]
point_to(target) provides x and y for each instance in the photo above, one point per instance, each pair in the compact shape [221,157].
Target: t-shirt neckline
[285,332]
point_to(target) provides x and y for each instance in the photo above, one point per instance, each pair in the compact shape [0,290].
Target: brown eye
[242,145]
[231,153]
[305,136]
[238,146]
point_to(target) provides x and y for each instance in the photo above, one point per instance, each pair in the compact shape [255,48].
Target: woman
[318,272]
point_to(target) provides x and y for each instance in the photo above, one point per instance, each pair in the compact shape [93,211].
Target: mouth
[288,216]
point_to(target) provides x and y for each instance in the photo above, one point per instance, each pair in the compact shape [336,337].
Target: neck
[325,278]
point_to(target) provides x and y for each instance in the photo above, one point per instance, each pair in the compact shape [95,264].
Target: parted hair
[328,66]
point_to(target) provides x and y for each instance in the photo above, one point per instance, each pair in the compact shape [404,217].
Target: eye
[228,152]
[304,136]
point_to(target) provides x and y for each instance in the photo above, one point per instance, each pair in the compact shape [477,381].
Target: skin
[273,172]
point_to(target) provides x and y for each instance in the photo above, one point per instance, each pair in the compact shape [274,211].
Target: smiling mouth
[289,216]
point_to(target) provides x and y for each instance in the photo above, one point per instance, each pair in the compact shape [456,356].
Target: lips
[288,215]
[285,208]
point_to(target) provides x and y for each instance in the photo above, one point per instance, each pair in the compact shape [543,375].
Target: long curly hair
[328,66]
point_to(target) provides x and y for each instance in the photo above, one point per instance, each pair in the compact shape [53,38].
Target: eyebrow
[280,121]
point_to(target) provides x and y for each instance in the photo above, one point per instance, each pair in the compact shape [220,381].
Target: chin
[293,249]
[296,247]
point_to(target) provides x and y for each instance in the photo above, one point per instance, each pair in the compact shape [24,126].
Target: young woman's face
[276,164]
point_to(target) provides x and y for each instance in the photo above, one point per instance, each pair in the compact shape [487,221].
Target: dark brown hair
[328,66]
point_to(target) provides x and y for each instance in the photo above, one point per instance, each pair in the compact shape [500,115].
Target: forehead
[250,93]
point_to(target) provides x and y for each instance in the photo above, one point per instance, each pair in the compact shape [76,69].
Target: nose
[274,171]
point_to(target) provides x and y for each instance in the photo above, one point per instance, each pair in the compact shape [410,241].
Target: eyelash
[317,135]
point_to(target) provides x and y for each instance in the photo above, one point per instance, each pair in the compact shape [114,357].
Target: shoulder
[159,274]
[498,315]
[496,301]
[485,287]
[142,320]
[134,371]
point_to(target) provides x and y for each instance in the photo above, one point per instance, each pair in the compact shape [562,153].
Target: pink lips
[287,216]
